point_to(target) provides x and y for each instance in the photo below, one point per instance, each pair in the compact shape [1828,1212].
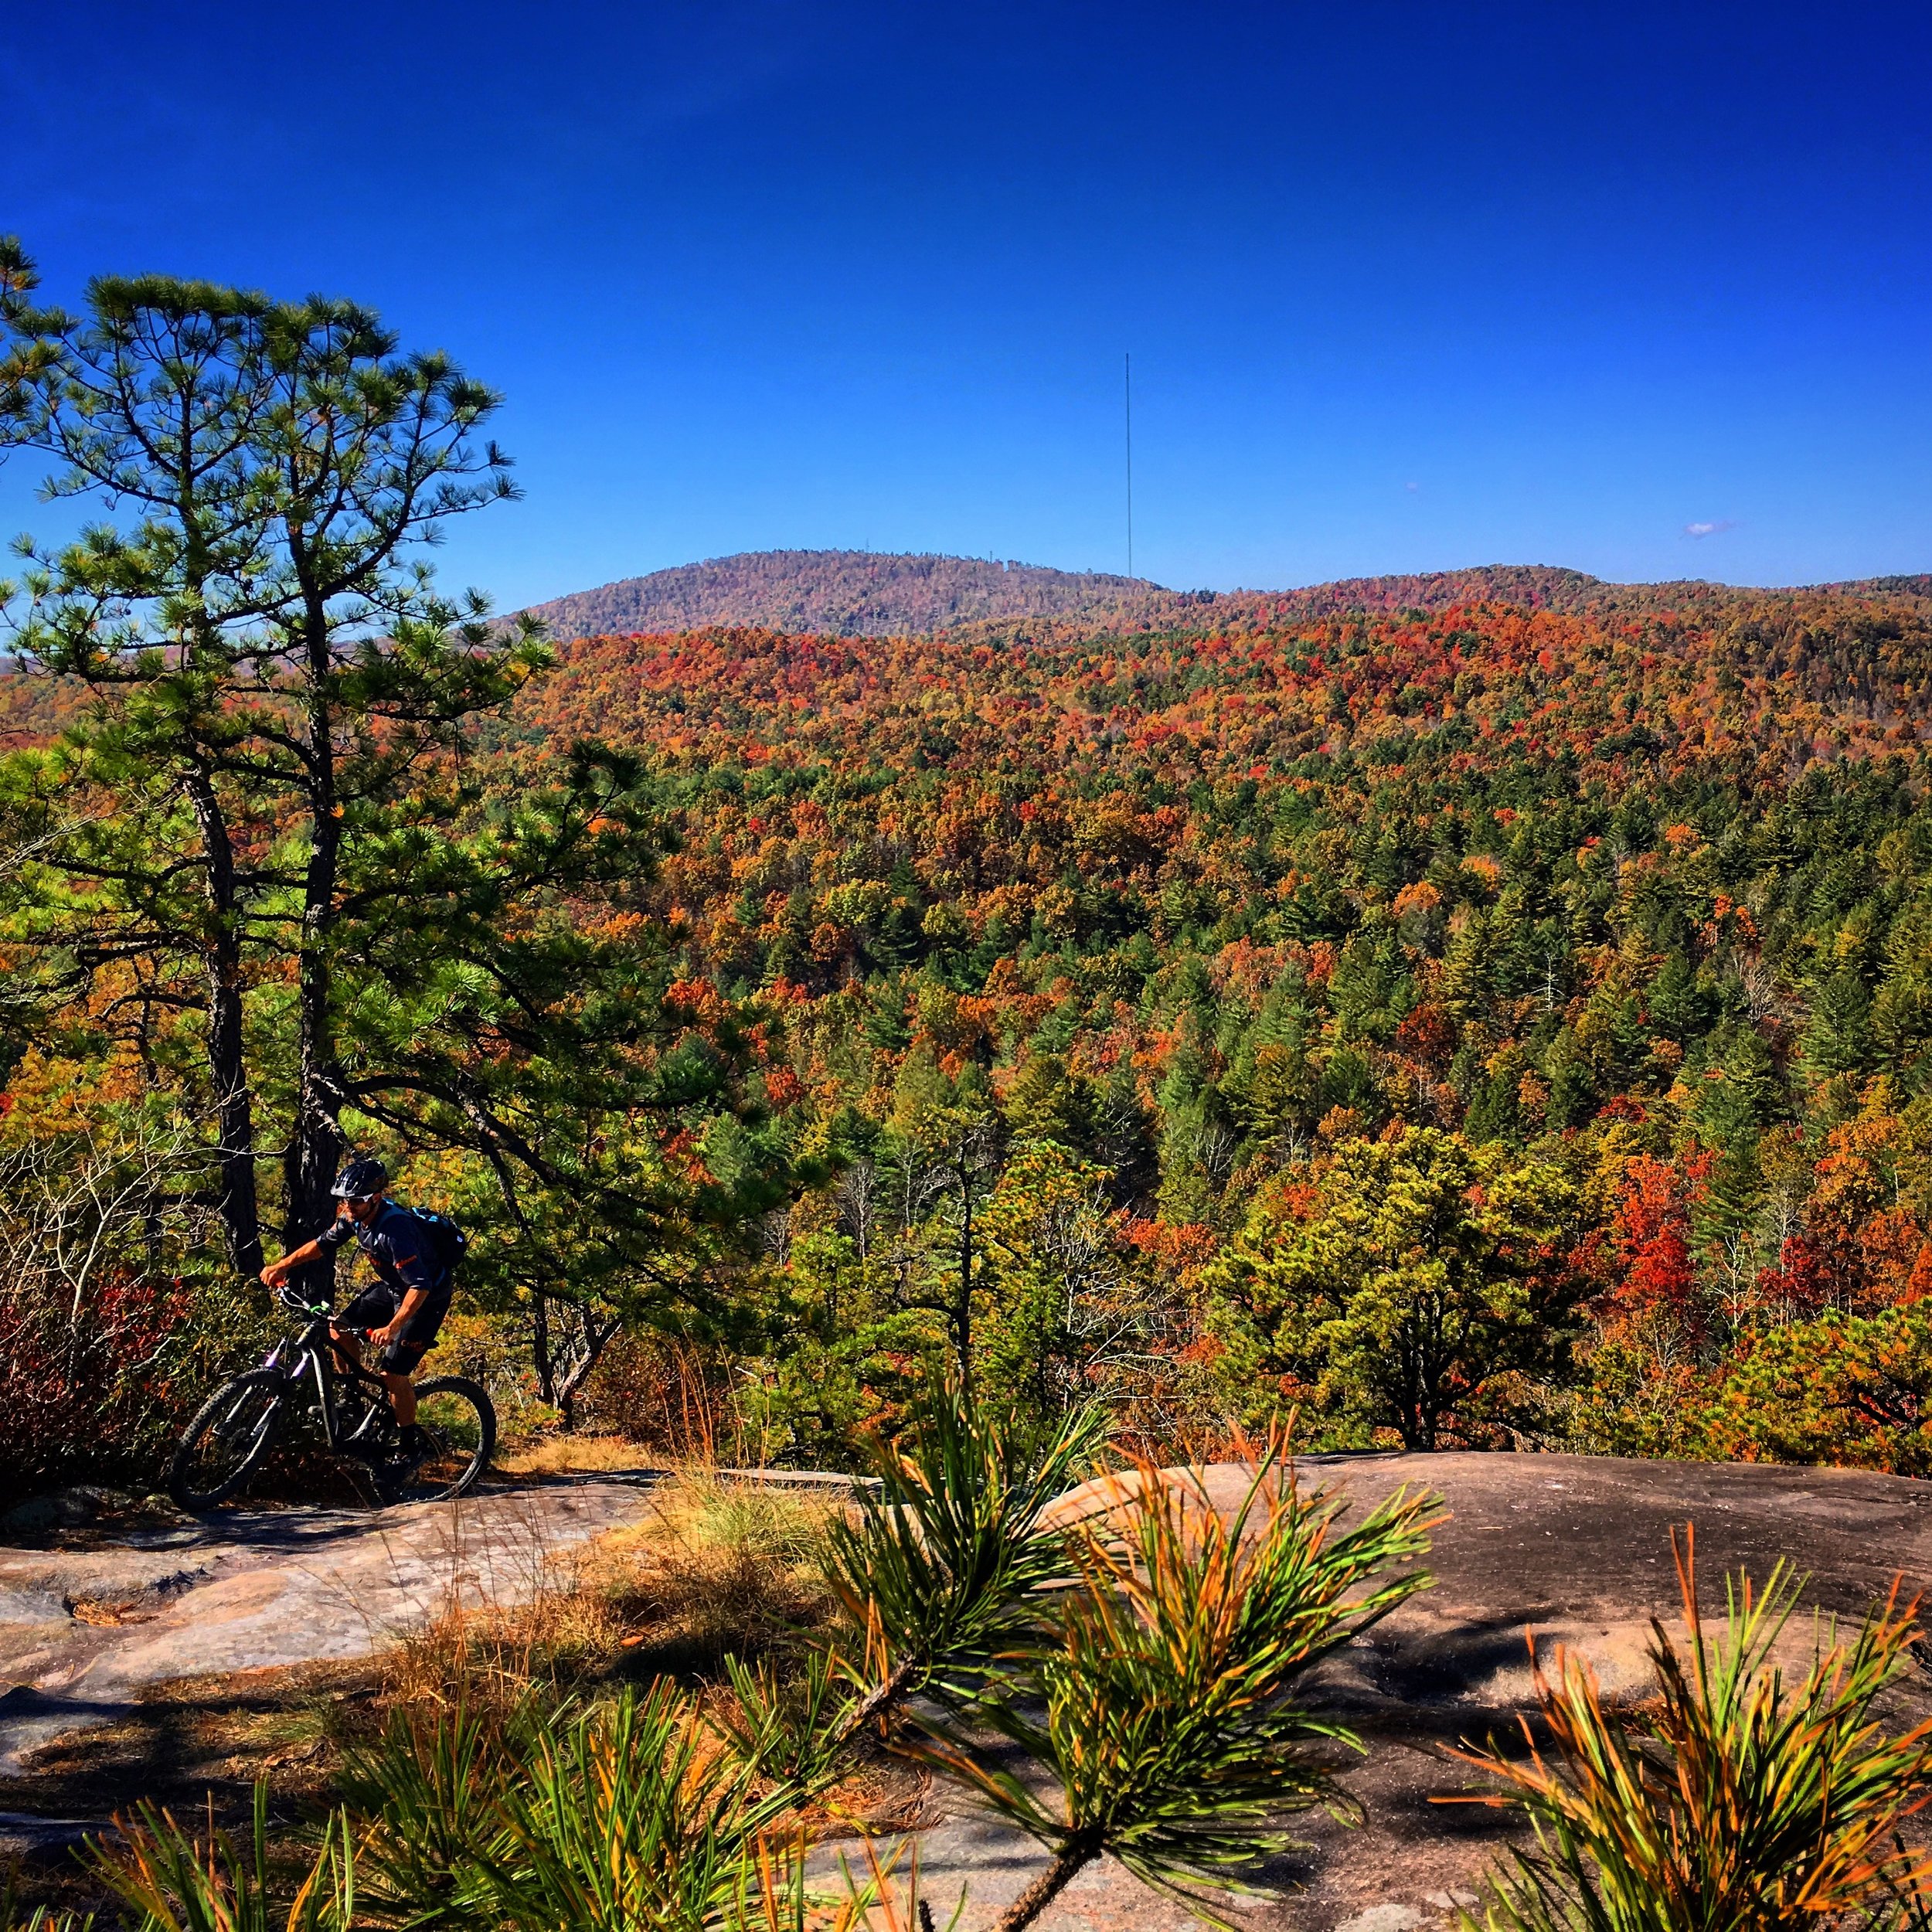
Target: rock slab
[1578,1547]
[84,1632]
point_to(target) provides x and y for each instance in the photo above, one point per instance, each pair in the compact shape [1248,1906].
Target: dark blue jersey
[401,1248]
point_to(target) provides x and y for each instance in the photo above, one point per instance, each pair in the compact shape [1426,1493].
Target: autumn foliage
[1628,890]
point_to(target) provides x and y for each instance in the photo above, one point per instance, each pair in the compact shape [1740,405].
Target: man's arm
[277,1272]
[413,1299]
[415,1272]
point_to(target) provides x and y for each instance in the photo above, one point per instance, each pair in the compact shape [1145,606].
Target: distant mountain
[862,594]
[1539,587]
[841,593]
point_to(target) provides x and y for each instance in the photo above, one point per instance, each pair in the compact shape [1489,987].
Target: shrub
[169,1881]
[105,1328]
[1734,1799]
[944,1568]
[1846,1389]
[95,1396]
[1168,1678]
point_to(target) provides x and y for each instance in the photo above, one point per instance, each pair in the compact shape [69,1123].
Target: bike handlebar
[316,1310]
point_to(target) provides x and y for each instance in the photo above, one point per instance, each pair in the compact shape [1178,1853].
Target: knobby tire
[466,1440]
[243,1416]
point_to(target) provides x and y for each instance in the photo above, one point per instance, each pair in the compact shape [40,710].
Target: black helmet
[364,1175]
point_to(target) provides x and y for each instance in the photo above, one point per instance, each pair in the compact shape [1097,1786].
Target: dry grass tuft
[488,1660]
[720,1569]
[572,1453]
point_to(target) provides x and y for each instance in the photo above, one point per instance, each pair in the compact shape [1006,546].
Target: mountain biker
[405,1306]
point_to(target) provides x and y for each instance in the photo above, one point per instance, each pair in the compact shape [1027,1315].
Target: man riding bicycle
[404,1307]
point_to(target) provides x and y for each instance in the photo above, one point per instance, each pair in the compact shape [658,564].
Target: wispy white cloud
[1709,529]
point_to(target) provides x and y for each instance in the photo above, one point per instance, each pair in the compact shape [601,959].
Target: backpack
[449,1240]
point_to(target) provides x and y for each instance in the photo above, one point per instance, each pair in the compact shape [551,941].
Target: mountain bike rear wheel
[227,1442]
[457,1416]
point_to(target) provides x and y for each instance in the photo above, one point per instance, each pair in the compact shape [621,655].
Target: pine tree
[270,665]
[1045,1102]
[1838,1039]
[285,835]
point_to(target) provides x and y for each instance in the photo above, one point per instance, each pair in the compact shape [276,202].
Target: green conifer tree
[284,836]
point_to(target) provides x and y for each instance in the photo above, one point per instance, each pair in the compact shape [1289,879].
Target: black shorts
[375,1307]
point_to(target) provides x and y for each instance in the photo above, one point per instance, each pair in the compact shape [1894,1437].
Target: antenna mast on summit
[1128,372]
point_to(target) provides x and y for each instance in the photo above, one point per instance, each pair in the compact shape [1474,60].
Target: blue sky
[1406,287]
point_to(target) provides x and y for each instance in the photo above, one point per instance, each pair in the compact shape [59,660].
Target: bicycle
[239,1424]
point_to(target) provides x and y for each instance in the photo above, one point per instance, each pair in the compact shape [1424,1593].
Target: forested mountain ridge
[862,593]
[1631,910]
[851,593]
[1547,980]
[1796,677]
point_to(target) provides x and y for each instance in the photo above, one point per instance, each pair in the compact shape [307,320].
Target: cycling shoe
[393,1475]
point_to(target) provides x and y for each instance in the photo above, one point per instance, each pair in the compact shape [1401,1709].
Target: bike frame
[312,1358]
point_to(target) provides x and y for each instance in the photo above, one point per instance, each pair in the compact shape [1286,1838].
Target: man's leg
[400,1360]
[370,1309]
[402,1394]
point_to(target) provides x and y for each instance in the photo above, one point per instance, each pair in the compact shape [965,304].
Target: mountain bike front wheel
[227,1442]
[456,1416]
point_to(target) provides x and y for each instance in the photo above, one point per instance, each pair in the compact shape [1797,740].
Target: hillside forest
[1497,1021]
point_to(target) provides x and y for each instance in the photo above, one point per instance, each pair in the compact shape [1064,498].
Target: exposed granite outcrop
[1577,1547]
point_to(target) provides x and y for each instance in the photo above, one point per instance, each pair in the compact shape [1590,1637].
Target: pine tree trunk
[595,1336]
[1078,1853]
[540,1357]
[315,1144]
[963,1320]
[227,1068]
